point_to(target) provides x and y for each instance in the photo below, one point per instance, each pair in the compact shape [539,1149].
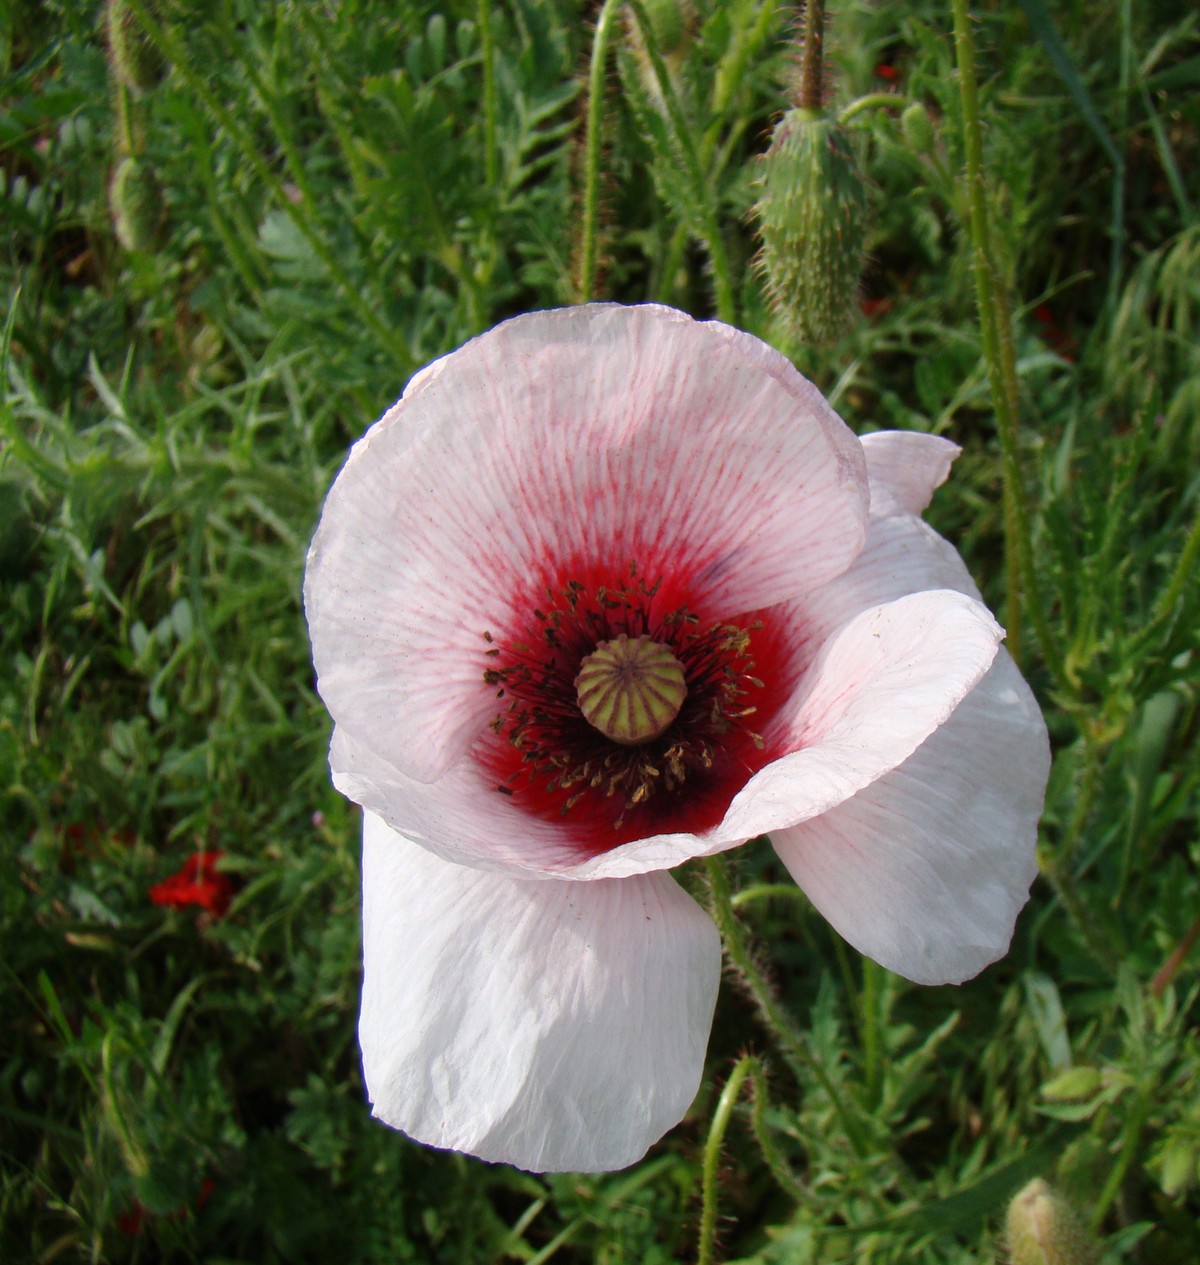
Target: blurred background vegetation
[231,232]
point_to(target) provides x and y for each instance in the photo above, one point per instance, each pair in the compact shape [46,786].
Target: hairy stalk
[164,39]
[714,243]
[995,327]
[591,153]
[872,1040]
[874,101]
[748,1065]
[491,154]
[812,59]
[1056,864]
[1170,968]
[779,1023]
[1169,602]
[712,1157]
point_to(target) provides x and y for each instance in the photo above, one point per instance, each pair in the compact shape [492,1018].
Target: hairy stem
[778,1022]
[995,327]
[812,59]
[591,152]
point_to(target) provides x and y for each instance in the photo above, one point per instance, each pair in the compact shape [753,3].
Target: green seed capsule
[1043,1229]
[812,222]
[136,204]
[136,62]
[630,689]
[918,129]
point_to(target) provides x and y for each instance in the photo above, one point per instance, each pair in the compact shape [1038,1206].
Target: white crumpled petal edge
[553,1026]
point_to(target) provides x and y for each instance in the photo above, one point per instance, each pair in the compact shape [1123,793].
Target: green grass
[344,195]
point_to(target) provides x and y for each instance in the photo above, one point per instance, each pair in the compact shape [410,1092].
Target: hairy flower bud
[1043,1229]
[135,202]
[812,223]
[918,129]
[136,62]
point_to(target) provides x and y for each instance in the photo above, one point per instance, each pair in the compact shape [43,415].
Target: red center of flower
[626,712]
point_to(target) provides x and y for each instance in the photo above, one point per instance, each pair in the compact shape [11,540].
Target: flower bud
[1043,1229]
[1076,1084]
[136,62]
[812,223]
[917,128]
[136,204]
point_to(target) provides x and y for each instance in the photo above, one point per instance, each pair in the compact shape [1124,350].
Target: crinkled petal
[904,468]
[879,687]
[550,1025]
[926,868]
[594,437]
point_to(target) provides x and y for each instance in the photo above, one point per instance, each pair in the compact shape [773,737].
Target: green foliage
[182,376]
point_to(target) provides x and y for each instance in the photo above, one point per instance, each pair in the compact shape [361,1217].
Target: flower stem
[872,1044]
[708,227]
[491,154]
[591,158]
[812,59]
[793,1044]
[748,1065]
[995,328]
[712,1158]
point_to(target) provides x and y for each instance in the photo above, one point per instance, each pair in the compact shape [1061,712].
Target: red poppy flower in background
[197,883]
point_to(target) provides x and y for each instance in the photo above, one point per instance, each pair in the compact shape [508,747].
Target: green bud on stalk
[1043,1229]
[917,128]
[136,204]
[812,223]
[136,62]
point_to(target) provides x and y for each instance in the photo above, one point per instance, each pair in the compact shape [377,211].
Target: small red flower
[197,883]
[1057,339]
[132,1219]
[884,71]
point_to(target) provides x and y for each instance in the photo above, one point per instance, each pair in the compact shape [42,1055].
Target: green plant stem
[591,150]
[1170,599]
[127,142]
[1134,1127]
[699,179]
[712,1158]
[1057,863]
[491,154]
[778,1022]
[766,891]
[166,42]
[748,1065]
[872,1043]
[812,58]
[875,101]
[995,327]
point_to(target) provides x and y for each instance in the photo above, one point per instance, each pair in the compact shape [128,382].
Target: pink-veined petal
[550,1025]
[926,869]
[904,468]
[464,820]
[593,437]
[880,685]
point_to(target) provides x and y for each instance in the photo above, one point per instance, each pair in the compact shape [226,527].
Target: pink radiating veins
[538,990]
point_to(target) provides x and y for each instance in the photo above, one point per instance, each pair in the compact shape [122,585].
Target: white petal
[588,437]
[926,868]
[904,468]
[555,1026]
[879,687]
[902,555]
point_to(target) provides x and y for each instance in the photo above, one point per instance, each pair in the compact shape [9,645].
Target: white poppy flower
[607,590]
